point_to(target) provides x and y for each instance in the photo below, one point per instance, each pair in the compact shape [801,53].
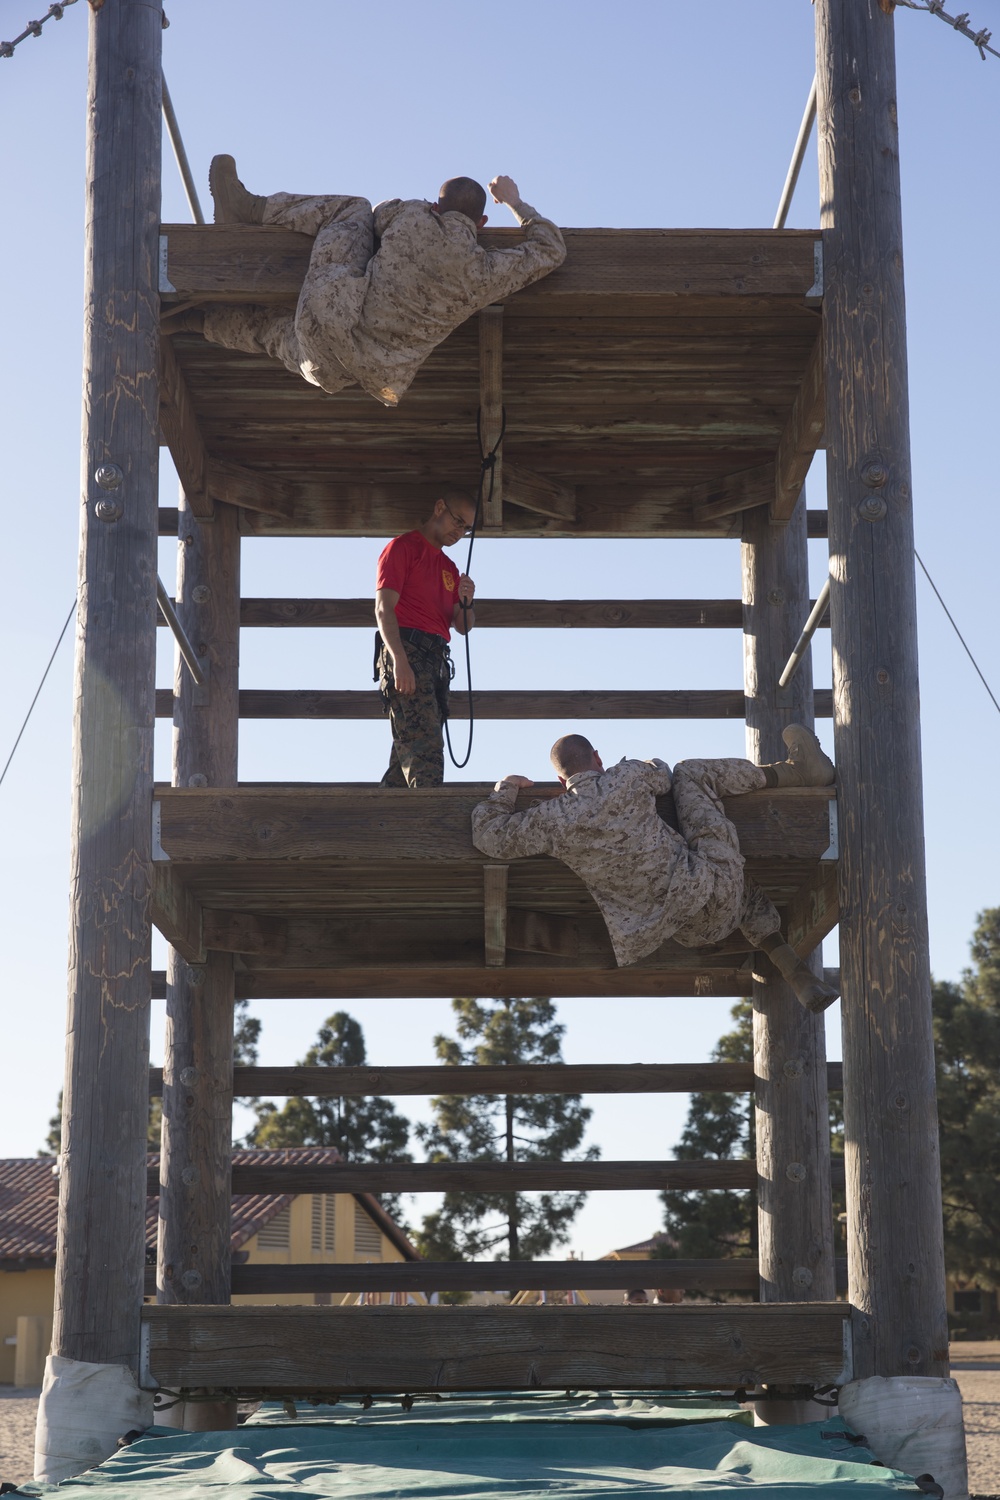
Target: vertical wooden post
[102,1195]
[895,1242]
[491,407]
[194,1252]
[795,1213]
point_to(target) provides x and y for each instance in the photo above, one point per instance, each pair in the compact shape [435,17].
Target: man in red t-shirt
[419,598]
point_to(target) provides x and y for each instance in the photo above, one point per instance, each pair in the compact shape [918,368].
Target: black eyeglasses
[460,519]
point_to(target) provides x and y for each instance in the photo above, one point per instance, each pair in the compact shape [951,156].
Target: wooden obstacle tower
[663,383]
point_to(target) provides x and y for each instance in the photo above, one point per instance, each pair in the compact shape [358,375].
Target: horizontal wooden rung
[502,703]
[486,1176]
[308,1350]
[554,1078]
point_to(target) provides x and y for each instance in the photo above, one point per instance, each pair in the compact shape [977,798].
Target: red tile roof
[29,1205]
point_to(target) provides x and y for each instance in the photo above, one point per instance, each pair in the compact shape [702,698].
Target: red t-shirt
[425,580]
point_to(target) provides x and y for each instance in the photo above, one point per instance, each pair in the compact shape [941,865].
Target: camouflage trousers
[417,757]
[312,341]
[699,787]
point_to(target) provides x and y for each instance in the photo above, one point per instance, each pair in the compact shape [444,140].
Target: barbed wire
[960,23]
[34,28]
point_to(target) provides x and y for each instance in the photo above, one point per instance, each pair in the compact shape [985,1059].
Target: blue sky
[641,114]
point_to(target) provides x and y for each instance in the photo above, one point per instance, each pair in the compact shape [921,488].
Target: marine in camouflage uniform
[650,882]
[370,316]
[417,720]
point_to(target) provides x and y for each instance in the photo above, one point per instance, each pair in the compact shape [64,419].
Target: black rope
[487,465]
[38,690]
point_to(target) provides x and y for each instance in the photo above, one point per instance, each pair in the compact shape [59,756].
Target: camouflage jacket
[644,877]
[429,275]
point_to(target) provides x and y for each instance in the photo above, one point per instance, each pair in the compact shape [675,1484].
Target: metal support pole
[808,631]
[184,646]
[798,156]
[180,155]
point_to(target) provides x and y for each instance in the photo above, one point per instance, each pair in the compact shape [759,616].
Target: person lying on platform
[420,596]
[650,882]
[370,316]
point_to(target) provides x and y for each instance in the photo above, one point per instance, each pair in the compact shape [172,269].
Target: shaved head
[462,195]
[571,754]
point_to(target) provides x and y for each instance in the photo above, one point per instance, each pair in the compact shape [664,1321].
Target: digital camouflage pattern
[417,757]
[650,882]
[372,318]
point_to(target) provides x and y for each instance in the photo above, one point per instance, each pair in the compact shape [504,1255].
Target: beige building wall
[23,1294]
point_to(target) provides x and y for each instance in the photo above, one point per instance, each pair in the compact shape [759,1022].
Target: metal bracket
[201,692]
[165,285]
[833,851]
[158,854]
[147,1381]
[814,296]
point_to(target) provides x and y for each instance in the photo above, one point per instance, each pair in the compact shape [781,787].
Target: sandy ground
[976,1367]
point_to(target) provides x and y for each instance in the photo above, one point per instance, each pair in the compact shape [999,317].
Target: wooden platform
[356,890]
[309,1350]
[658,384]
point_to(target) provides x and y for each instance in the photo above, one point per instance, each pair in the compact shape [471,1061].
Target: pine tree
[503,1127]
[704,1225]
[967,1048]
[365,1128]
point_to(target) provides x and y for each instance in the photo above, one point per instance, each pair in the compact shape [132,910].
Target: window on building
[324,1222]
[969,1302]
[276,1234]
[367,1235]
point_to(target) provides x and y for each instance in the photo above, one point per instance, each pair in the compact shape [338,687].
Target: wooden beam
[495,914]
[488,1177]
[795,1227]
[802,436]
[322,1082]
[538,494]
[403,981]
[895,1242]
[734,492]
[341,703]
[676,267]
[236,485]
[371,1349]
[815,912]
[182,434]
[426,825]
[177,914]
[102,1230]
[491,411]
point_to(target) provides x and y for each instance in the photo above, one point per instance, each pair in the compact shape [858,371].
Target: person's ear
[561,780]
[598,763]
[483,221]
[436,209]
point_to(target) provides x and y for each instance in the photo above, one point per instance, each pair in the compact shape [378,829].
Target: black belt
[425,638]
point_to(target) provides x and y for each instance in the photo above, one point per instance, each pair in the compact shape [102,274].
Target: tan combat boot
[806,764]
[233,204]
[815,994]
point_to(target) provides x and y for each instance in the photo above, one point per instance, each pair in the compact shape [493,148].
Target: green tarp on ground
[596,1447]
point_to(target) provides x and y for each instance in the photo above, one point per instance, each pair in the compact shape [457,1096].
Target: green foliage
[361,1128]
[503,1127]
[703,1225]
[967,1049]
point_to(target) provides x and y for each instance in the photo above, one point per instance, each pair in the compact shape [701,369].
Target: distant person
[650,882]
[383,288]
[637,1298]
[420,597]
[668,1296]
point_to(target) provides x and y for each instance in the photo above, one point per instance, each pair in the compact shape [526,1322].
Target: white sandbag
[913,1423]
[83,1411]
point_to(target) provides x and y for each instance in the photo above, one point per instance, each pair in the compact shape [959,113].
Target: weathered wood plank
[539,494]
[312,1349]
[406,981]
[513,614]
[235,484]
[802,435]
[894,1227]
[495,915]
[538,1078]
[181,432]
[244,263]
[429,824]
[491,411]
[744,490]
[815,912]
[101,1231]
[795,1227]
[176,914]
[332,703]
